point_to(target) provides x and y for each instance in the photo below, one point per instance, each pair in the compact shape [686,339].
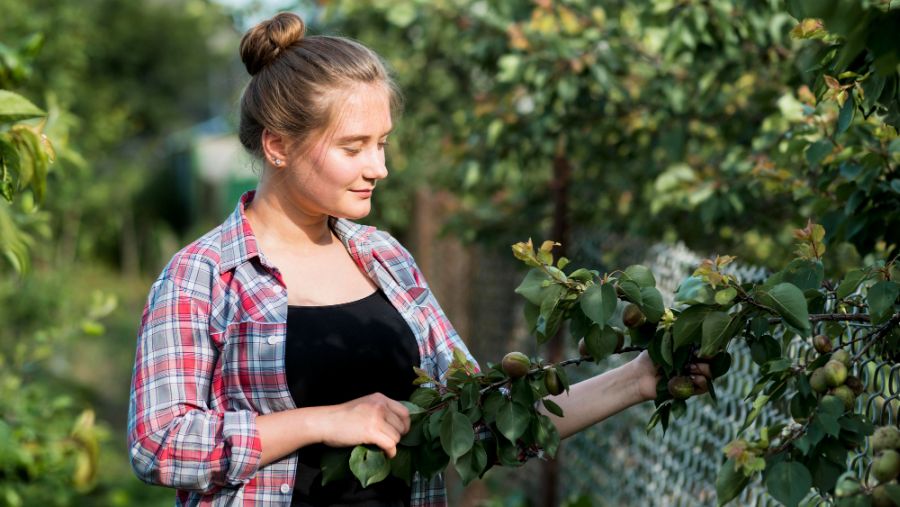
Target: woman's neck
[278,224]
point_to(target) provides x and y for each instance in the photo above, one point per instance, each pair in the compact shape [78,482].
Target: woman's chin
[355,212]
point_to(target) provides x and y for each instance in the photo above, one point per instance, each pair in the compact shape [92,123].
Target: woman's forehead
[364,111]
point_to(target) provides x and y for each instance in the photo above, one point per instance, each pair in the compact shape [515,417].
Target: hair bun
[262,44]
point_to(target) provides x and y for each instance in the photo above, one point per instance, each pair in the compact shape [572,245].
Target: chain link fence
[617,463]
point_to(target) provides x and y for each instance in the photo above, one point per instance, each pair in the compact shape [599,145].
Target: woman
[289,327]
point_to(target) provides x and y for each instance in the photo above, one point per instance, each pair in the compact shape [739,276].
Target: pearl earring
[277,162]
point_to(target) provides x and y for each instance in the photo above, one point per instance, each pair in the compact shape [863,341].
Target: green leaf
[599,303]
[425,397]
[631,291]
[457,434]
[513,420]
[369,465]
[652,304]
[640,275]
[601,342]
[413,408]
[334,465]
[804,273]
[758,405]
[665,349]
[416,432]
[846,115]
[547,435]
[729,482]
[552,407]
[693,290]
[471,464]
[401,465]
[14,107]
[788,482]
[881,298]
[790,303]
[818,151]
[714,332]
[828,423]
[687,326]
[532,313]
[725,296]
[850,282]
[532,287]
[893,492]
[831,405]
[764,349]
[430,458]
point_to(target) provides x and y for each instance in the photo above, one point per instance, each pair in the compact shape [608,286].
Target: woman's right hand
[372,419]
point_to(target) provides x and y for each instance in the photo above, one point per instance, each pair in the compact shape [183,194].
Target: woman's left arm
[593,400]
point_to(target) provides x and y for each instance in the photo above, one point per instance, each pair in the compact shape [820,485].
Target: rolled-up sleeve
[174,438]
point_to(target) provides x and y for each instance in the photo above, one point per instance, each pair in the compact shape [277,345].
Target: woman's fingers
[701,384]
[701,369]
[402,414]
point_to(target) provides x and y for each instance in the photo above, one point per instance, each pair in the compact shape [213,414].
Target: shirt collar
[239,244]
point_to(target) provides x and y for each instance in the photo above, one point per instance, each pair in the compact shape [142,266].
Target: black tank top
[337,353]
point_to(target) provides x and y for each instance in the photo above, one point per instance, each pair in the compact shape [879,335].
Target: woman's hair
[296,81]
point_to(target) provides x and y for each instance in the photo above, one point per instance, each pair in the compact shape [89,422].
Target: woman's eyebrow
[359,137]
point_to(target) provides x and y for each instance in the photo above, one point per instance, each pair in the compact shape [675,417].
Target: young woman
[290,327]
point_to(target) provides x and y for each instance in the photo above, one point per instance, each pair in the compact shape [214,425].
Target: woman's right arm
[373,419]
[175,439]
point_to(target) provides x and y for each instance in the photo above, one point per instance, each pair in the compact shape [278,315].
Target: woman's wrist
[644,377]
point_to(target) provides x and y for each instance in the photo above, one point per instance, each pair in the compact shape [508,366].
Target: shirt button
[285,488]
[273,339]
[278,289]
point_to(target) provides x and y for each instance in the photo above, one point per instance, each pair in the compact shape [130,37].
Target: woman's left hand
[648,376]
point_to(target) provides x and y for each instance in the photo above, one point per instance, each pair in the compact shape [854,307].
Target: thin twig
[830,317]
[574,360]
[877,334]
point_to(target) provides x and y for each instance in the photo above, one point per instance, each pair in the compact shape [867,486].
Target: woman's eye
[383,145]
[352,151]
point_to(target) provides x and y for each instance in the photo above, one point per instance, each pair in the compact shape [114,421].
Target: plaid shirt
[210,358]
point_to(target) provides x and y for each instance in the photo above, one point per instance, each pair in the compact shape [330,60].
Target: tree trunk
[562,171]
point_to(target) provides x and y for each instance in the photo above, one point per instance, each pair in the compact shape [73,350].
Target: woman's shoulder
[194,268]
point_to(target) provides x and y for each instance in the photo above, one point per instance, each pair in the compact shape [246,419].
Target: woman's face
[337,172]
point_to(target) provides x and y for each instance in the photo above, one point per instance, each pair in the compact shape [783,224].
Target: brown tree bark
[562,171]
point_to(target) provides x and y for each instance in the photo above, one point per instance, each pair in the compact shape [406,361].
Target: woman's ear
[274,149]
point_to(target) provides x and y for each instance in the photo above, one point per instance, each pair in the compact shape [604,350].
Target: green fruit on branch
[552,382]
[835,373]
[582,348]
[886,465]
[681,388]
[515,364]
[855,385]
[632,316]
[885,437]
[847,487]
[822,344]
[846,395]
[881,498]
[817,380]
[843,357]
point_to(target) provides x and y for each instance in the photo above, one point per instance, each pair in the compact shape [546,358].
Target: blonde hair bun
[262,44]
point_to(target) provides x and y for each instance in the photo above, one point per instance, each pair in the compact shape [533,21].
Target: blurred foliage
[116,91]
[72,178]
[701,121]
